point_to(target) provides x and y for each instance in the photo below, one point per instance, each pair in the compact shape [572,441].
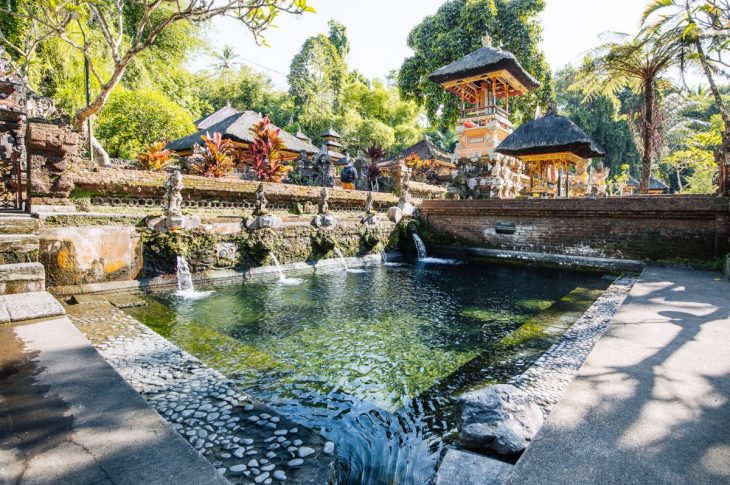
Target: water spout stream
[185,287]
[342,258]
[283,279]
[420,246]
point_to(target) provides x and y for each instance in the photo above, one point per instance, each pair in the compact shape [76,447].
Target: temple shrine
[551,147]
[485,80]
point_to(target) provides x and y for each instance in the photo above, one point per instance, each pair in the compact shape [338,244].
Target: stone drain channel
[246,441]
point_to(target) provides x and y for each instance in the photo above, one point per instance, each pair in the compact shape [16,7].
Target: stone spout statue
[261,202]
[324,219]
[172,202]
[370,217]
[369,203]
[324,197]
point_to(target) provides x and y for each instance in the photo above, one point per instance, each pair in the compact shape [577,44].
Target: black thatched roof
[234,125]
[550,134]
[482,60]
[425,151]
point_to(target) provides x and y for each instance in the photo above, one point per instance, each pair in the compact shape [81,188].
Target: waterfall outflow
[420,246]
[184,278]
[185,287]
[283,279]
[342,258]
[383,257]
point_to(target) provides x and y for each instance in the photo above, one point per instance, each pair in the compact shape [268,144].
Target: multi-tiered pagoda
[485,80]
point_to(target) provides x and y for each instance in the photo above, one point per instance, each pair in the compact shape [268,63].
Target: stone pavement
[652,402]
[67,417]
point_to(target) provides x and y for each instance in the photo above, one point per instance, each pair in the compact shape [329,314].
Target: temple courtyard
[457,242]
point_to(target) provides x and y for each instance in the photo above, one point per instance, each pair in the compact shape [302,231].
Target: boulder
[501,418]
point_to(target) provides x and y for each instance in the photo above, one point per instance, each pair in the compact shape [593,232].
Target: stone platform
[652,402]
[67,417]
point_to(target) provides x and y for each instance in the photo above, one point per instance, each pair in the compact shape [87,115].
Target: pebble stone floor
[246,441]
[549,377]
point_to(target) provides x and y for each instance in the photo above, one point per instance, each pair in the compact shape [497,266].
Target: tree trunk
[679,180]
[648,134]
[85,113]
[722,154]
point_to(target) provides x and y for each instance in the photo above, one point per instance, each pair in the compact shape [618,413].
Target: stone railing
[136,188]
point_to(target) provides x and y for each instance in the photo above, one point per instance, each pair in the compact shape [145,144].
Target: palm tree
[225,59]
[638,63]
[700,32]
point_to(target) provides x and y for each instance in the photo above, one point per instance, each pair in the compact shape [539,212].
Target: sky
[378,32]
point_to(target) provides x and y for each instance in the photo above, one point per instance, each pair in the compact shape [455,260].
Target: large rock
[501,418]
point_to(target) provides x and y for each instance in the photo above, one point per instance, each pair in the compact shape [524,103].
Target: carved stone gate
[14,169]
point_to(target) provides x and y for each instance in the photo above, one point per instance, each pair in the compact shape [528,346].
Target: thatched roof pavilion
[550,134]
[484,80]
[549,143]
[486,60]
[236,126]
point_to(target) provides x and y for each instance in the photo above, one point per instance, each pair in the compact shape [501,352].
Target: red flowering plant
[155,157]
[265,153]
[217,160]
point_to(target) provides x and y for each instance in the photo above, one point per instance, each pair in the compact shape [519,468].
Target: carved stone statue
[370,218]
[323,163]
[324,219]
[324,197]
[172,202]
[369,203]
[261,202]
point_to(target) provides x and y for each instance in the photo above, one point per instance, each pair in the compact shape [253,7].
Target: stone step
[29,306]
[18,224]
[22,278]
[18,248]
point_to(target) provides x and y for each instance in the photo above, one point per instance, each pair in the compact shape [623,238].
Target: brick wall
[649,227]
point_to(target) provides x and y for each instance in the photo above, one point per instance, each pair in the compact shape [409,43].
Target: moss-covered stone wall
[80,250]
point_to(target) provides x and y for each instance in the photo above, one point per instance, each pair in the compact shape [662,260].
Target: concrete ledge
[75,420]
[18,248]
[18,224]
[546,259]
[464,468]
[29,306]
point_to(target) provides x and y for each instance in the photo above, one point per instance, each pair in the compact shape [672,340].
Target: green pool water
[375,359]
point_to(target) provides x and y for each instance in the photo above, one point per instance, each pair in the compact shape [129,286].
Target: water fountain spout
[420,246]
[342,258]
[282,278]
[185,287]
[184,278]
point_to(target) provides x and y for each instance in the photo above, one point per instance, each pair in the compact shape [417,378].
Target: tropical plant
[639,64]
[619,181]
[375,153]
[225,59]
[265,153]
[155,157]
[699,30]
[217,160]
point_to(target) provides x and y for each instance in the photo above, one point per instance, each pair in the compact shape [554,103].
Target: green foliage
[133,119]
[245,89]
[455,30]
[696,157]
[325,95]
[600,118]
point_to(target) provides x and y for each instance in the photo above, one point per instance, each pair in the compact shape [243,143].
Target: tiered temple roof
[236,125]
